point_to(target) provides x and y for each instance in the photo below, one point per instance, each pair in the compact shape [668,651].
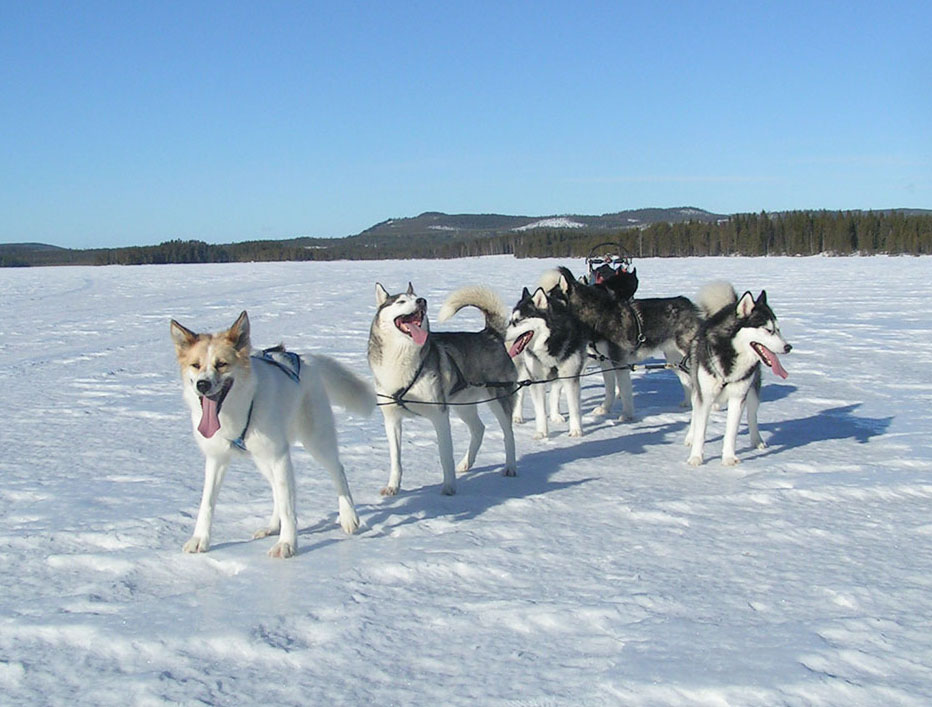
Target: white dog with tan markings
[260,403]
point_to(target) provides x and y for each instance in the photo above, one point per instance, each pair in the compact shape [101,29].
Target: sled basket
[608,253]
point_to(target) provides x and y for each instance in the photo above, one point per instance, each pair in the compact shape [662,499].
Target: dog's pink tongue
[210,420]
[776,366]
[418,334]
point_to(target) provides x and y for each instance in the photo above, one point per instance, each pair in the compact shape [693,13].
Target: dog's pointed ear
[540,298]
[525,293]
[238,334]
[762,297]
[410,290]
[564,283]
[182,336]
[745,305]
[381,294]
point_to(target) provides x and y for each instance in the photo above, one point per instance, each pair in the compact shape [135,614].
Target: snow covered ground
[607,572]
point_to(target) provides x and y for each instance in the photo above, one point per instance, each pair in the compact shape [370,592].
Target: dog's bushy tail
[715,296]
[345,388]
[482,298]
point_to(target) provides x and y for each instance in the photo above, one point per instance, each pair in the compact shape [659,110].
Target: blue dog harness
[286,361]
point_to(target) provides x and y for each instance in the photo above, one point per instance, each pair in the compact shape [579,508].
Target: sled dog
[423,373]
[550,344]
[260,404]
[725,364]
[637,327]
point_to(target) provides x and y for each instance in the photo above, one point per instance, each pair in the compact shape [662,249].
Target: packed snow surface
[607,572]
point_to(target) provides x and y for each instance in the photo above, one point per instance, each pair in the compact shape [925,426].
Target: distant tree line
[789,233]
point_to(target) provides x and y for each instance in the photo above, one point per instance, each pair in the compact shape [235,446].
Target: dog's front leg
[540,410]
[214,470]
[733,419]
[554,402]
[392,417]
[571,386]
[441,421]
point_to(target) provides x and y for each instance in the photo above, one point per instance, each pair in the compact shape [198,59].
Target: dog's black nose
[421,302]
[203,386]
[787,348]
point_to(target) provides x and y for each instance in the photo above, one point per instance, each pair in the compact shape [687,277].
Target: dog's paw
[197,544]
[759,444]
[577,432]
[264,533]
[448,490]
[463,467]
[557,418]
[349,521]
[509,471]
[625,417]
[688,440]
[282,549]
[601,411]
[694,460]
[517,419]
[389,491]
[730,461]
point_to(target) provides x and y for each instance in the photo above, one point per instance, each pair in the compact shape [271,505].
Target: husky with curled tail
[735,338]
[260,403]
[420,373]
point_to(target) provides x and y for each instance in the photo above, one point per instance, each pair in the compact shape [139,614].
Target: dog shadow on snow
[837,423]
[484,487]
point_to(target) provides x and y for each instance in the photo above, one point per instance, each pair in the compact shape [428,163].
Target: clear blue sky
[130,123]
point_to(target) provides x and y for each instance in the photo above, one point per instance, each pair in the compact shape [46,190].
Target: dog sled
[606,255]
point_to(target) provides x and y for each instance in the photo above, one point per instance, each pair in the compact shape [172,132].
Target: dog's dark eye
[220,365]
[196,366]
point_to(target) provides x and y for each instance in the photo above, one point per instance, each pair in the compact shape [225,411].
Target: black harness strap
[640,325]
[398,395]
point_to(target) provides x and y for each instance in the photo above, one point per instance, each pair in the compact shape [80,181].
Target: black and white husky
[550,343]
[423,373]
[725,363]
[636,328]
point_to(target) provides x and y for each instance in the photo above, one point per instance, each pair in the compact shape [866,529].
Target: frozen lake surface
[607,572]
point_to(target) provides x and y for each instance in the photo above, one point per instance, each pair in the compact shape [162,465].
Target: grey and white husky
[550,343]
[423,373]
[725,364]
[637,328]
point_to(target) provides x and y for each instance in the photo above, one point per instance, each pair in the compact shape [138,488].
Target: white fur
[283,412]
